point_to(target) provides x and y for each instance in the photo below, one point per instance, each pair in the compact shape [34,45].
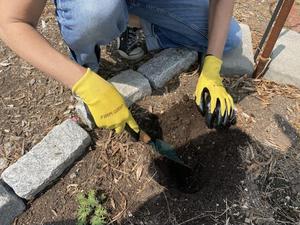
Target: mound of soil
[206,151]
[215,157]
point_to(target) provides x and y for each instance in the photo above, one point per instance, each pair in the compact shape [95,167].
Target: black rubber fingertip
[204,101]
[220,117]
[215,118]
[225,118]
[201,108]
[208,120]
[234,121]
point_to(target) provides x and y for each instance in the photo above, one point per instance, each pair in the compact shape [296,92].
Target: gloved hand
[106,105]
[213,100]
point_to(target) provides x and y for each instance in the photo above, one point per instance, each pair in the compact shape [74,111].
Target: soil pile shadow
[213,163]
[235,178]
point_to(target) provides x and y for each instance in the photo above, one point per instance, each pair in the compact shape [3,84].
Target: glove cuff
[84,79]
[89,84]
[212,65]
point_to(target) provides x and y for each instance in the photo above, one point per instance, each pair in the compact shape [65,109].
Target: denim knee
[234,38]
[92,22]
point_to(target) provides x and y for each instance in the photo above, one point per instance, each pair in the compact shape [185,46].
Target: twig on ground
[146,183]
[168,207]
[120,171]
[137,163]
[192,219]
[236,83]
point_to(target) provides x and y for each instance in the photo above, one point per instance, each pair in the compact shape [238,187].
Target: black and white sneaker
[129,46]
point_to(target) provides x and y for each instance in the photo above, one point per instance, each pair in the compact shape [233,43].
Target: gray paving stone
[47,160]
[132,85]
[165,65]
[83,115]
[240,61]
[10,205]
[285,64]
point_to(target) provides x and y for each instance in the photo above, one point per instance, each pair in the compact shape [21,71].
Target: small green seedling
[91,210]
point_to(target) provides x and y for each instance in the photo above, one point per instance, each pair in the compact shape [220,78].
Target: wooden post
[264,57]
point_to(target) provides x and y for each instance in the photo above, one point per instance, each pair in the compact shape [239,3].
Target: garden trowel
[160,146]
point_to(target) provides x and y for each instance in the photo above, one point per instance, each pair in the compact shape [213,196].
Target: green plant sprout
[91,210]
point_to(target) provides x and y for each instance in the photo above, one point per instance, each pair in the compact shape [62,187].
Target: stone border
[11,205]
[165,65]
[135,85]
[40,167]
[46,161]
[240,60]
[67,142]
[285,65]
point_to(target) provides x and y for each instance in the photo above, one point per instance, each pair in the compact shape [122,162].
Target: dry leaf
[139,171]
[5,63]
[150,109]
[113,204]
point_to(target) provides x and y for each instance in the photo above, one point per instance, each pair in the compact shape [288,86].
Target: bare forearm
[212,6]
[220,14]
[34,48]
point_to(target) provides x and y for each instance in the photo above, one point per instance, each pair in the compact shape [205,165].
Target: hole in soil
[214,158]
[212,155]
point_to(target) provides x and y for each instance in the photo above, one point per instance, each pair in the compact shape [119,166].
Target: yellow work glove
[105,103]
[212,98]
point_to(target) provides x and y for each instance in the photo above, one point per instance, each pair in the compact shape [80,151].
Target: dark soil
[216,159]
[226,176]
[235,178]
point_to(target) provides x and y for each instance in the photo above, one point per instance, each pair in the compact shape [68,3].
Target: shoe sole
[138,55]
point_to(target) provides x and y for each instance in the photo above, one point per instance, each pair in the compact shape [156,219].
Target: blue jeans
[87,24]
